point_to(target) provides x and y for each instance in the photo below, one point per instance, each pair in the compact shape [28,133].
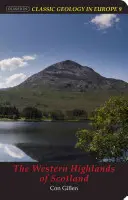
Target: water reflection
[41,142]
[39,153]
[55,153]
[26,152]
[10,153]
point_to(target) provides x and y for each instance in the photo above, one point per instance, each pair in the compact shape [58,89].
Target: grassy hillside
[48,100]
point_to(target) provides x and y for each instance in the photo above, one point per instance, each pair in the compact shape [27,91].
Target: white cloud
[15,62]
[13,80]
[29,57]
[105,21]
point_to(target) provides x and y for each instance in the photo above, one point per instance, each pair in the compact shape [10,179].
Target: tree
[46,114]
[108,136]
[31,113]
[77,113]
[9,112]
[57,115]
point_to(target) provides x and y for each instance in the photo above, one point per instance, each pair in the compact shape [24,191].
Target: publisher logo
[17,8]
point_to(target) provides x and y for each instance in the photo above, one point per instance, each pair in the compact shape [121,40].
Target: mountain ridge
[70,75]
[64,86]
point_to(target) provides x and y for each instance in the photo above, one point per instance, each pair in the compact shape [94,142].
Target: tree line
[106,139]
[11,112]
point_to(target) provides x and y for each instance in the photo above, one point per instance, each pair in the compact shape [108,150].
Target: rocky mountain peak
[64,65]
[69,75]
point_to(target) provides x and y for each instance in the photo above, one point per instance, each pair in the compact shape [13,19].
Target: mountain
[71,76]
[64,86]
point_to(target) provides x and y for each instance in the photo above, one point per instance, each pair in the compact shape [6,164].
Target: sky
[29,43]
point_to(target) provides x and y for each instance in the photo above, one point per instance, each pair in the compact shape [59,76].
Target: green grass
[73,120]
[6,119]
[37,120]
[49,100]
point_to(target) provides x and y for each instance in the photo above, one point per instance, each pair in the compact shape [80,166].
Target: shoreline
[43,120]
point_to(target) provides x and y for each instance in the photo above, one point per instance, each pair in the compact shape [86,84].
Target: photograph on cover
[63,88]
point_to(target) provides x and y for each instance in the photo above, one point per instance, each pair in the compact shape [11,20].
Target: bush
[46,114]
[108,137]
[31,113]
[57,115]
[77,113]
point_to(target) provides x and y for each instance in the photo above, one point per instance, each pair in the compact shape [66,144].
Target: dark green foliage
[10,112]
[31,113]
[77,114]
[57,115]
[46,114]
[108,137]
